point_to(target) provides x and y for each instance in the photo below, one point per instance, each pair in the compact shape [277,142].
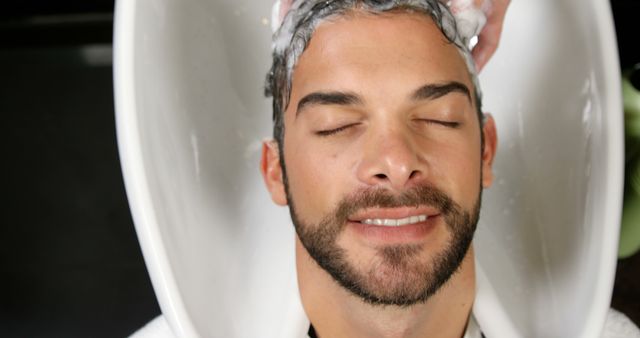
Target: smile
[391,222]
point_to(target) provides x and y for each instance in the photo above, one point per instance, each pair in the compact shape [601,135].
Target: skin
[388,140]
[489,37]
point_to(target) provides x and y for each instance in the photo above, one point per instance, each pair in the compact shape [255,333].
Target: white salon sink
[191,114]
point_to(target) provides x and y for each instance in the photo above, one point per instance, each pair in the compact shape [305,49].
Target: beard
[398,274]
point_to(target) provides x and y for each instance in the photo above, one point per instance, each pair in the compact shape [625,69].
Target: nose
[392,159]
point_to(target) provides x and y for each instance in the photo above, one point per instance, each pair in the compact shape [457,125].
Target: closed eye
[335,130]
[448,124]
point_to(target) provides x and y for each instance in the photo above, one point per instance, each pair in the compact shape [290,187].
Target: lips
[387,226]
[394,217]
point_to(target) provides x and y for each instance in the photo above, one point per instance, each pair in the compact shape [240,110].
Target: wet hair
[293,36]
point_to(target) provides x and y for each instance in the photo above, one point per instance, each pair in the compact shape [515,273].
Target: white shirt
[616,326]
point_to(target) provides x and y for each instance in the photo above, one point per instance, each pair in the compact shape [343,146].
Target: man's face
[382,151]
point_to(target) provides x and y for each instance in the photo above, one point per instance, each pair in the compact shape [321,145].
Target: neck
[335,312]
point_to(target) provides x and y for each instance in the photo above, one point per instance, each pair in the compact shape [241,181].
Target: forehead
[392,51]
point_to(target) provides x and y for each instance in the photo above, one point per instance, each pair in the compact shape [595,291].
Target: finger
[456,6]
[489,38]
[487,44]
[285,5]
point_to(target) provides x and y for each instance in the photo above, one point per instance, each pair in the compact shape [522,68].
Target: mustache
[424,195]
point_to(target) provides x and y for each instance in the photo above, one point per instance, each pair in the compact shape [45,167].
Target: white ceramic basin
[190,111]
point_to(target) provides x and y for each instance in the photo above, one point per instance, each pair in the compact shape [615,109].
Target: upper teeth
[395,222]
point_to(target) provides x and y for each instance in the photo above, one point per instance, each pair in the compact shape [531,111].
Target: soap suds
[460,23]
[469,18]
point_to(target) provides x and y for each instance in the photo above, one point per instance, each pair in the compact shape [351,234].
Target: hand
[284,8]
[488,38]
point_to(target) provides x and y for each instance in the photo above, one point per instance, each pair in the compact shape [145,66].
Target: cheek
[315,177]
[457,164]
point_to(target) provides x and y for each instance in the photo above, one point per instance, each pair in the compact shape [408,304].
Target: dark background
[69,259]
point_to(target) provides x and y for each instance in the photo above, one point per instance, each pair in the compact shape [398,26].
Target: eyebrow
[430,91]
[328,98]
[434,91]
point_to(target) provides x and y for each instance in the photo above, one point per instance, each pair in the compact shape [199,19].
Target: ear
[272,172]
[489,152]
